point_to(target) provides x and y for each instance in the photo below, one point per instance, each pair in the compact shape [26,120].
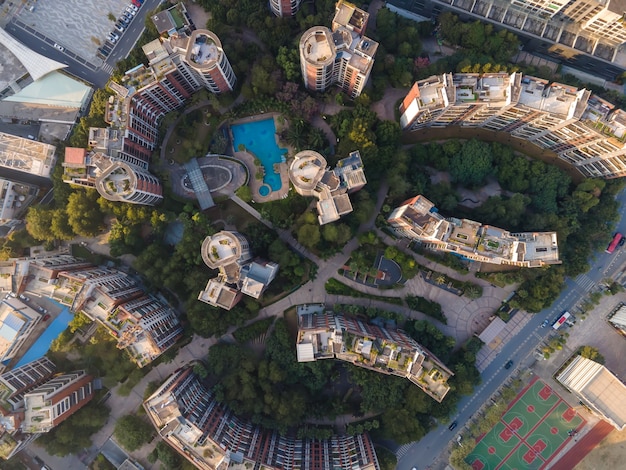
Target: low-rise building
[114,179]
[375,347]
[582,129]
[17,322]
[57,399]
[26,155]
[343,56]
[419,219]
[311,177]
[208,434]
[598,388]
[617,318]
[229,252]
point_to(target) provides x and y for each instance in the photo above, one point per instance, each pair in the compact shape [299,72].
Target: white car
[131,11]
[59,47]
[119,27]
[114,37]
[133,8]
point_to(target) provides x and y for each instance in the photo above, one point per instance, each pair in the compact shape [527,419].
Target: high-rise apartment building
[285,8]
[375,347]
[114,180]
[343,56]
[582,129]
[418,219]
[311,177]
[564,29]
[229,252]
[57,399]
[13,386]
[210,436]
[207,59]
[143,324]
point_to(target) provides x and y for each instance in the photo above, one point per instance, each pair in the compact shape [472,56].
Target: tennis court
[534,428]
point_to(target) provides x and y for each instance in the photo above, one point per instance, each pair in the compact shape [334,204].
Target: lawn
[192,136]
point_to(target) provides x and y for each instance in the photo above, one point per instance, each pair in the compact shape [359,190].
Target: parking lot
[77,25]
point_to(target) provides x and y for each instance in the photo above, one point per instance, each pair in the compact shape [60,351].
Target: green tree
[309,235]
[592,353]
[38,223]
[473,164]
[132,432]
[83,213]
[289,61]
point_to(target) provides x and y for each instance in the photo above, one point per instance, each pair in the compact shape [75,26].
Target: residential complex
[582,129]
[17,322]
[311,177]
[598,388]
[229,252]
[285,8]
[418,219]
[114,179]
[372,346]
[13,386]
[143,324]
[178,66]
[55,400]
[343,56]
[564,29]
[209,435]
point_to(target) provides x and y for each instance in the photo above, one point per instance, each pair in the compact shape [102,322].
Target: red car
[137,3]
[46,317]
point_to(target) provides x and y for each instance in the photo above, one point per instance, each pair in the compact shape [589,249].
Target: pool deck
[248,160]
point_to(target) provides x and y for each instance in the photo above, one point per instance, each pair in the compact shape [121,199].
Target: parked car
[59,47]
[453,425]
[46,317]
[132,9]
[114,36]
[508,364]
[622,241]
[119,27]
[137,3]
[545,323]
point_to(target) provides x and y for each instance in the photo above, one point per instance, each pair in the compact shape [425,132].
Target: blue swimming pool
[41,346]
[259,138]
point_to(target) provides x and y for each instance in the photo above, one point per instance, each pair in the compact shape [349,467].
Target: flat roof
[598,386]
[26,155]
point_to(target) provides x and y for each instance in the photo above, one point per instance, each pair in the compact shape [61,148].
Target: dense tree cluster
[74,434]
[132,432]
[274,390]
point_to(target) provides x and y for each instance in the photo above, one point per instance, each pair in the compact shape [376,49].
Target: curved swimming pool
[260,138]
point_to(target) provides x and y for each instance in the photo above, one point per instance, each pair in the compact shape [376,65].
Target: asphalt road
[93,71]
[424,452]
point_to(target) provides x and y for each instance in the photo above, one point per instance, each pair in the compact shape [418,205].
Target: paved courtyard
[80,26]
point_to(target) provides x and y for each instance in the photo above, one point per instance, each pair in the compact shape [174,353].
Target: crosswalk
[108,68]
[585,282]
[402,450]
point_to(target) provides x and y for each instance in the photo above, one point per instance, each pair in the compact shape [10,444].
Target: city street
[94,70]
[433,447]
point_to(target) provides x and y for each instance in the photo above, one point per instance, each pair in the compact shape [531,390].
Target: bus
[616,239]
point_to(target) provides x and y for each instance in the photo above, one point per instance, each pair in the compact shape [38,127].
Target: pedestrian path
[585,282]
[402,450]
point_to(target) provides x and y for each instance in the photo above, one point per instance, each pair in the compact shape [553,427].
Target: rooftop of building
[219,294]
[348,15]
[75,156]
[317,46]
[204,50]
[307,169]
[598,386]
[221,249]
[23,154]
[370,346]
[171,20]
